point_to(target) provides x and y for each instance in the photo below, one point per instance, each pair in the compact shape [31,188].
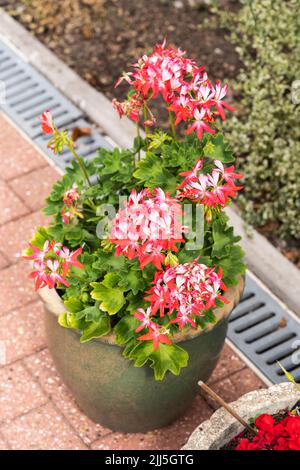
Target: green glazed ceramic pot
[114,393]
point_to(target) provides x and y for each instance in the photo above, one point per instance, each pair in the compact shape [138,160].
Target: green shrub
[265,133]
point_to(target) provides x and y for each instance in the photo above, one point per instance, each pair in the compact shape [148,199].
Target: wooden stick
[225,405]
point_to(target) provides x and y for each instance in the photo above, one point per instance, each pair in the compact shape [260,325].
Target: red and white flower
[52,264]
[184,86]
[211,189]
[149,225]
[187,289]
[47,123]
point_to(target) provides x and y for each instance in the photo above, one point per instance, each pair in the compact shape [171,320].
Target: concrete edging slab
[263,259]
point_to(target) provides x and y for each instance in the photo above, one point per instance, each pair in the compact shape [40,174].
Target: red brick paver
[11,207]
[228,361]
[17,155]
[34,187]
[235,385]
[42,428]
[15,287]
[22,331]
[3,444]
[15,235]
[36,409]
[3,261]
[19,392]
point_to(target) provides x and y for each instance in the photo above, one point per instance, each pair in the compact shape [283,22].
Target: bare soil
[101,38]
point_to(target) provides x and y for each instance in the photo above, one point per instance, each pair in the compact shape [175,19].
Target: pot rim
[215,432]
[55,305]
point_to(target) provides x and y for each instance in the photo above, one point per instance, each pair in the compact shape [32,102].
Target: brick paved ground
[36,409]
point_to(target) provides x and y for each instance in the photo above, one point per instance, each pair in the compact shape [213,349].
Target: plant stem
[139,137]
[228,408]
[171,120]
[80,163]
[146,115]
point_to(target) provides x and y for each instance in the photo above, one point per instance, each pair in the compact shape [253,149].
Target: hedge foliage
[265,133]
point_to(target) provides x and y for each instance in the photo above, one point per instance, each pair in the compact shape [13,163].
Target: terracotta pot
[217,431]
[114,393]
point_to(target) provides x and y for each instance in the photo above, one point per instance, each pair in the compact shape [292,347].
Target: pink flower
[38,254]
[71,195]
[47,122]
[144,318]
[157,336]
[199,125]
[70,258]
[52,264]
[183,85]
[183,318]
[149,226]
[211,189]
[119,107]
[218,97]
[189,289]
[53,276]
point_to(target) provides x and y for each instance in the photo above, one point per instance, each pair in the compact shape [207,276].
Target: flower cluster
[211,189]
[51,264]
[187,289]
[184,86]
[148,227]
[70,210]
[272,435]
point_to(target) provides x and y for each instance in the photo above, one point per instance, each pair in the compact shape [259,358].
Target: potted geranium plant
[141,265]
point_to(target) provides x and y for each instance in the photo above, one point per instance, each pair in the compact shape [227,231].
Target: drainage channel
[26,94]
[260,326]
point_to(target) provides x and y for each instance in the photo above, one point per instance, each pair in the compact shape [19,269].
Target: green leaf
[69,320]
[217,149]
[135,302]
[132,280]
[38,240]
[108,262]
[152,173]
[290,377]
[95,329]
[92,313]
[125,329]
[109,293]
[111,162]
[232,265]
[73,304]
[157,139]
[223,237]
[166,358]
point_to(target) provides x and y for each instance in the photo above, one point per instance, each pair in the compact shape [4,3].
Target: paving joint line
[25,304]
[20,359]
[228,376]
[50,400]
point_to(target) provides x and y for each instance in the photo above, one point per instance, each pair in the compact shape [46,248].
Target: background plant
[265,132]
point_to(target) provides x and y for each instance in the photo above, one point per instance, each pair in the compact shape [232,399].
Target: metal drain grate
[265,332]
[28,94]
[260,327]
